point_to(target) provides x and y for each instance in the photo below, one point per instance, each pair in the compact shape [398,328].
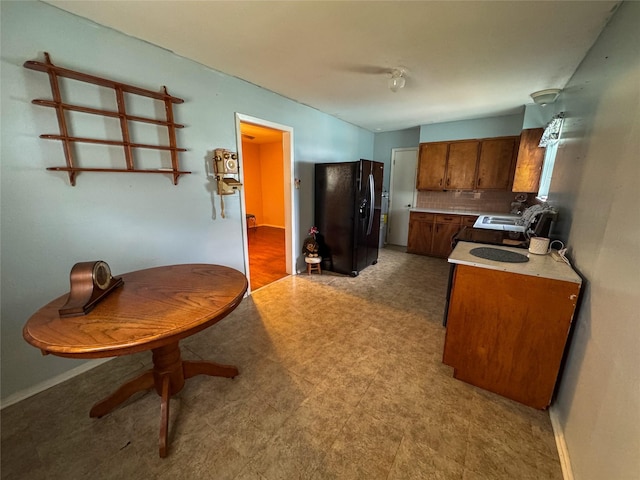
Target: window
[550,139]
[547,170]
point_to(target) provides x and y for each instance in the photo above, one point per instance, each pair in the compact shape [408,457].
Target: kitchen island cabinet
[508,323]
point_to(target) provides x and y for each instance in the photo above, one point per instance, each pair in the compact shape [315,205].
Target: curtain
[552,131]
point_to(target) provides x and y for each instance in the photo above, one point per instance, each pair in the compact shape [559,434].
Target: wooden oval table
[153,310]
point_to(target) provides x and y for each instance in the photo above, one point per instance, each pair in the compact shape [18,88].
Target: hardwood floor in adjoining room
[267,259]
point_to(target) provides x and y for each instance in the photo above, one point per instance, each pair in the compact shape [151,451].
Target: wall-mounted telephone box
[225,164]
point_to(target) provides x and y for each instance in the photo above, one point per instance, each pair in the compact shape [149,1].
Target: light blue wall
[132,221]
[478,128]
[386,141]
[538,116]
[595,186]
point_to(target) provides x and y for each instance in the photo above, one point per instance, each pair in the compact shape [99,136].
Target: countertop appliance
[348,202]
[499,222]
[535,221]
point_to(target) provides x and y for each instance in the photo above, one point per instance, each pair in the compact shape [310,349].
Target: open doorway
[266,170]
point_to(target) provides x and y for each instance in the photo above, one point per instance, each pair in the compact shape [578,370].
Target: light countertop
[538,265]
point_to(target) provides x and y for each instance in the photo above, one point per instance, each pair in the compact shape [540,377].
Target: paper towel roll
[539,245]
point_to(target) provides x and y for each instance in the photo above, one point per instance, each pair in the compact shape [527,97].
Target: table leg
[167,363]
[169,379]
[191,369]
[138,384]
[164,416]
[167,376]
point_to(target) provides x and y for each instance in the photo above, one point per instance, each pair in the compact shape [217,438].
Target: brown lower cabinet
[432,234]
[445,228]
[420,239]
[484,236]
[507,332]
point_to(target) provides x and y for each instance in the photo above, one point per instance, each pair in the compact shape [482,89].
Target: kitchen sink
[498,220]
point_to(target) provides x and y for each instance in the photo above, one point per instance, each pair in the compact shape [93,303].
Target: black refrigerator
[348,201]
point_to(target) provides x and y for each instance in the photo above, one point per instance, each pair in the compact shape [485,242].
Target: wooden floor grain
[266,255]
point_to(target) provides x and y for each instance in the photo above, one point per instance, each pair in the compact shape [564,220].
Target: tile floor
[340,378]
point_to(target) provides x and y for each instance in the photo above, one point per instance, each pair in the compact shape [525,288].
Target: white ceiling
[464,59]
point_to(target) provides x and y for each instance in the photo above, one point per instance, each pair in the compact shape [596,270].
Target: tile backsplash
[498,202]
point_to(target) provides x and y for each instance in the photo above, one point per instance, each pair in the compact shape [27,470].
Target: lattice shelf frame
[72,167]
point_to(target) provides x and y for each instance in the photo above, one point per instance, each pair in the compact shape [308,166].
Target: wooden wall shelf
[72,168]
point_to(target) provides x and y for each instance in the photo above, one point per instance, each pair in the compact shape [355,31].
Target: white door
[404,165]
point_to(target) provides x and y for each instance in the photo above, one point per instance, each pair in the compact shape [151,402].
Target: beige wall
[596,183]
[272,184]
[252,183]
[264,182]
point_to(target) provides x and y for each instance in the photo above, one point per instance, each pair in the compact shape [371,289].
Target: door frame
[289,185]
[391,178]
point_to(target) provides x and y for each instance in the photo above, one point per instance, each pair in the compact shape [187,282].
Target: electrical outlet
[556,256]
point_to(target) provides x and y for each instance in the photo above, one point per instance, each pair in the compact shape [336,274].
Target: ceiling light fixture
[397,80]
[544,97]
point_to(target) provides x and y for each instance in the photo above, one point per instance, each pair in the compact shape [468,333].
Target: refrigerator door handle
[371,203]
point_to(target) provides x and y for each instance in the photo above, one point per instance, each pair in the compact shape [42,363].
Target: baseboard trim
[561,445]
[42,386]
[280,227]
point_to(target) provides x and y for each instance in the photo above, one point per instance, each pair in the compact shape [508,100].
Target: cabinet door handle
[448,182]
[440,182]
[479,181]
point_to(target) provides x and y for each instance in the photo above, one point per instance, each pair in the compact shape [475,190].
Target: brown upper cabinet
[501,163]
[485,164]
[495,165]
[529,162]
[461,165]
[447,165]
[432,166]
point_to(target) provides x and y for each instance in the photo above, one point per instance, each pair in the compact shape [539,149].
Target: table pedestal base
[167,376]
